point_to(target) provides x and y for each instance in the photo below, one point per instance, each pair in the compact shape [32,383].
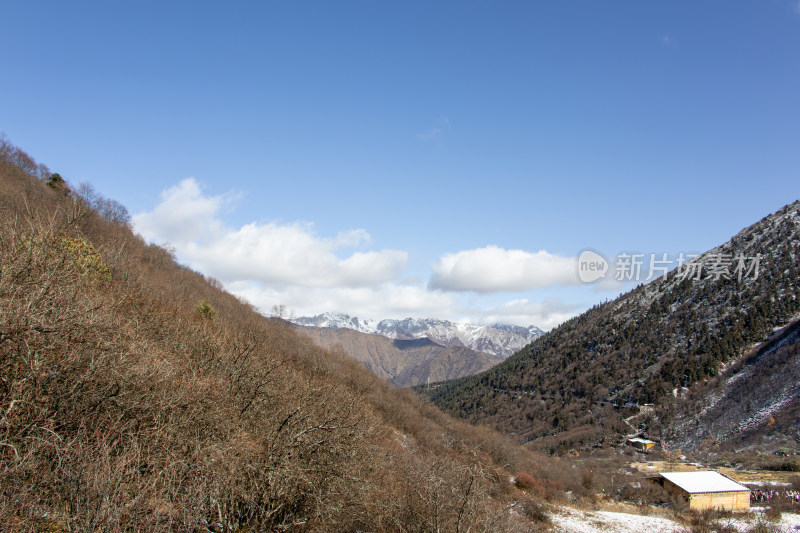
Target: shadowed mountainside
[403,362]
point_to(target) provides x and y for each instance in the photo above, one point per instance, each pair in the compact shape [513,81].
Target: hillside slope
[576,384]
[136,395]
[403,362]
[755,402]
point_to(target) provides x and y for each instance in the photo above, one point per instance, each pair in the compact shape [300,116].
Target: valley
[400,267]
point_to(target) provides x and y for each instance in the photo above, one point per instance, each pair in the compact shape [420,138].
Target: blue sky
[445,159]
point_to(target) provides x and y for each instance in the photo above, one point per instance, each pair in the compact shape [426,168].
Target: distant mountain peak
[500,340]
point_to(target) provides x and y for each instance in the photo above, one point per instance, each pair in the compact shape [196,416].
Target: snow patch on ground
[789,522]
[575,521]
[765,412]
[569,520]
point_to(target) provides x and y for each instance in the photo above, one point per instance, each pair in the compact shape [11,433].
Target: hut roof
[704,481]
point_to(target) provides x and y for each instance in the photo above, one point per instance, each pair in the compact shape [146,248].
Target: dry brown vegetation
[136,395]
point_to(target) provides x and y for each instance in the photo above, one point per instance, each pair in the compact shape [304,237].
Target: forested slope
[754,402]
[571,386]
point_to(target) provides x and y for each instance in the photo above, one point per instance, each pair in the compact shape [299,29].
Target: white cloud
[183,215]
[797,8]
[493,269]
[430,134]
[270,263]
[442,126]
[388,300]
[288,254]
[545,314]
[391,300]
[612,284]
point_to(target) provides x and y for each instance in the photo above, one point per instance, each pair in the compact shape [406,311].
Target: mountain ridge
[499,340]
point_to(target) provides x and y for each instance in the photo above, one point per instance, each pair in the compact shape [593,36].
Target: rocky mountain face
[577,384]
[498,340]
[404,362]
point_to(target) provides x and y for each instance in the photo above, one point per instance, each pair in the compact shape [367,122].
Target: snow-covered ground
[788,523]
[569,520]
[575,521]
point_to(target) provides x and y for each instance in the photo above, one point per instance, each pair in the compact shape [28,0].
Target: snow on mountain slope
[499,340]
[755,400]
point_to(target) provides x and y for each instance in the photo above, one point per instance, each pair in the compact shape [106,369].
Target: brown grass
[126,404]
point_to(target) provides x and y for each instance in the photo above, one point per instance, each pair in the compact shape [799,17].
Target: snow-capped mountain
[499,340]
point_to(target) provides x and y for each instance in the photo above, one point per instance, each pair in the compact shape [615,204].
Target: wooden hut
[706,490]
[640,443]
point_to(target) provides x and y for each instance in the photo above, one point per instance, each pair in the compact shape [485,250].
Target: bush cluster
[127,406]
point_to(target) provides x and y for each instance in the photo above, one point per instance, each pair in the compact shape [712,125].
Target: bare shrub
[773,514]
[123,408]
[536,511]
[587,479]
[762,526]
[527,482]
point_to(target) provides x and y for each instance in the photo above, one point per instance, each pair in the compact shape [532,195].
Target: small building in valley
[706,490]
[640,443]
